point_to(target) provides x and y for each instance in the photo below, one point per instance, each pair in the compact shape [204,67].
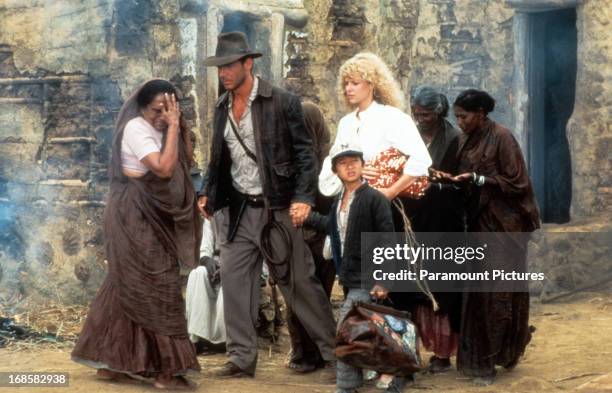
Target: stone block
[21,123]
[68,160]
[19,163]
[69,110]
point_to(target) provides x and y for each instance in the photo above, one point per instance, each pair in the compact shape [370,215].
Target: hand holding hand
[202,201]
[299,212]
[437,175]
[462,178]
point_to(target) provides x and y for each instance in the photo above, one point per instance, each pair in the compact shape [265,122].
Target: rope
[418,265]
[275,264]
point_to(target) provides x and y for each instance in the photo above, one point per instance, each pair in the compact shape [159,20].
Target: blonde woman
[376,123]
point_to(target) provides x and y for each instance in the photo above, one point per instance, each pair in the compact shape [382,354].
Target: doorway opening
[552,60]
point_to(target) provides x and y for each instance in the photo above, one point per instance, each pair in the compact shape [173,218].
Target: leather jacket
[284,151]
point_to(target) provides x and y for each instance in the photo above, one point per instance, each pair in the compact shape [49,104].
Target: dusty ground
[571,351]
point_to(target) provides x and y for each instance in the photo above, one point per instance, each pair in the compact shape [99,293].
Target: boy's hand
[379,292]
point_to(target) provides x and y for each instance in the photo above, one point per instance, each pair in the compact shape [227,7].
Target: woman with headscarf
[499,203]
[439,210]
[136,325]
[305,356]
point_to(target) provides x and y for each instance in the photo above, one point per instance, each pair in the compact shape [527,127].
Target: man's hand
[370,173]
[379,292]
[299,212]
[202,201]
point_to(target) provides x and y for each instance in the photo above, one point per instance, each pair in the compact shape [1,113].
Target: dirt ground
[571,352]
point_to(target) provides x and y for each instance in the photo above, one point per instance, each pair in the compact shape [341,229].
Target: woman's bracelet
[479,180]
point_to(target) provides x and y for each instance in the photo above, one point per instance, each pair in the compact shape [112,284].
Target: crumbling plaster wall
[443,43]
[65,69]
[589,129]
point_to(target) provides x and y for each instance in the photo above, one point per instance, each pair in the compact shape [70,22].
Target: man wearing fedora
[262,173]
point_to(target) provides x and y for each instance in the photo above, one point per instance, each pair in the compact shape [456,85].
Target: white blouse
[139,140]
[377,129]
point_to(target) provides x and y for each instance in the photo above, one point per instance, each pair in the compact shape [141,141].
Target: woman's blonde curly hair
[371,68]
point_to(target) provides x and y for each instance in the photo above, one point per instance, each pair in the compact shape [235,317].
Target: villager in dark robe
[136,323]
[495,325]
[305,356]
[440,211]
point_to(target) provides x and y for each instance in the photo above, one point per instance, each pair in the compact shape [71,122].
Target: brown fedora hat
[231,47]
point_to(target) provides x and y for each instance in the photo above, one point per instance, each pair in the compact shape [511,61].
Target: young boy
[359,208]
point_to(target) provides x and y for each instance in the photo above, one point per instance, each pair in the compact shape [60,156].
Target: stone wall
[66,68]
[590,129]
[443,43]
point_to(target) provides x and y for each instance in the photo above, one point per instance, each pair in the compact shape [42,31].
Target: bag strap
[248,151]
[383,309]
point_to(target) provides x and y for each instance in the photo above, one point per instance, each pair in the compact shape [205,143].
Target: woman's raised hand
[171,112]
[370,173]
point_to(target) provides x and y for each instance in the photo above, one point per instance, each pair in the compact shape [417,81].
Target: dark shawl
[509,206]
[437,211]
[495,325]
[316,127]
[443,148]
[318,131]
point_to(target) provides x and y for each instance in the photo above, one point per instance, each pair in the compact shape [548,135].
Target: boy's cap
[345,149]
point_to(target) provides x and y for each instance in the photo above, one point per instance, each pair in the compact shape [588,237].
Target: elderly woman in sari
[500,201]
[439,210]
[136,325]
